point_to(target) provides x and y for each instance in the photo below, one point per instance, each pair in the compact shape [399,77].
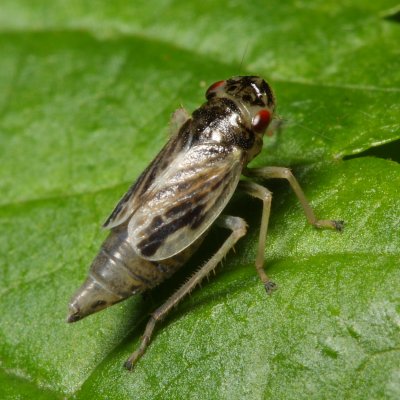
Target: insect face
[252,92]
[248,104]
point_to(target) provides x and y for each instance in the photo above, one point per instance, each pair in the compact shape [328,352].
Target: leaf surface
[86,93]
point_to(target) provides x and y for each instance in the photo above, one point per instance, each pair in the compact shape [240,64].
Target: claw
[339,225]
[270,287]
[128,365]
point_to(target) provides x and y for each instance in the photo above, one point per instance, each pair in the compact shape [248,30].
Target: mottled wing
[184,200]
[133,197]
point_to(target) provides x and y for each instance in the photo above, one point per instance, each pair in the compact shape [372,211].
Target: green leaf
[86,93]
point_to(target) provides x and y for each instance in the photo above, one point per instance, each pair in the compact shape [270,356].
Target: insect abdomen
[117,267]
[118,272]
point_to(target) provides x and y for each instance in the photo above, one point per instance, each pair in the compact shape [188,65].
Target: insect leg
[238,227]
[285,173]
[179,117]
[262,193]
[275,126]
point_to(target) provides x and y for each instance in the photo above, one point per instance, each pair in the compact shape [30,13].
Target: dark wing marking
[184,200]
[133,197]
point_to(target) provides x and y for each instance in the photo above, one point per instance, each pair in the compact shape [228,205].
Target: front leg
[179,117]
[285,173]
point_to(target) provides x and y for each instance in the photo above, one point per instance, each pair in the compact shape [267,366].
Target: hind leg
[238,227]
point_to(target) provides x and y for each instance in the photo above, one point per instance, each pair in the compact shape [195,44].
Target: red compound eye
[214,86]
[261,120]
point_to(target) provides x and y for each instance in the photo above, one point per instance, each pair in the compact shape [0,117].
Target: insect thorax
[223,121]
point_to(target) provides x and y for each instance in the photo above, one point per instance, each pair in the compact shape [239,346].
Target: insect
[165,215]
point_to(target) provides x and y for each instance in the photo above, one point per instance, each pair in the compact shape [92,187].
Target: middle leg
[285,173]
[262,193]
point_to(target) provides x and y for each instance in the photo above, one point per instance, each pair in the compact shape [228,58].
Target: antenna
[243,56]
